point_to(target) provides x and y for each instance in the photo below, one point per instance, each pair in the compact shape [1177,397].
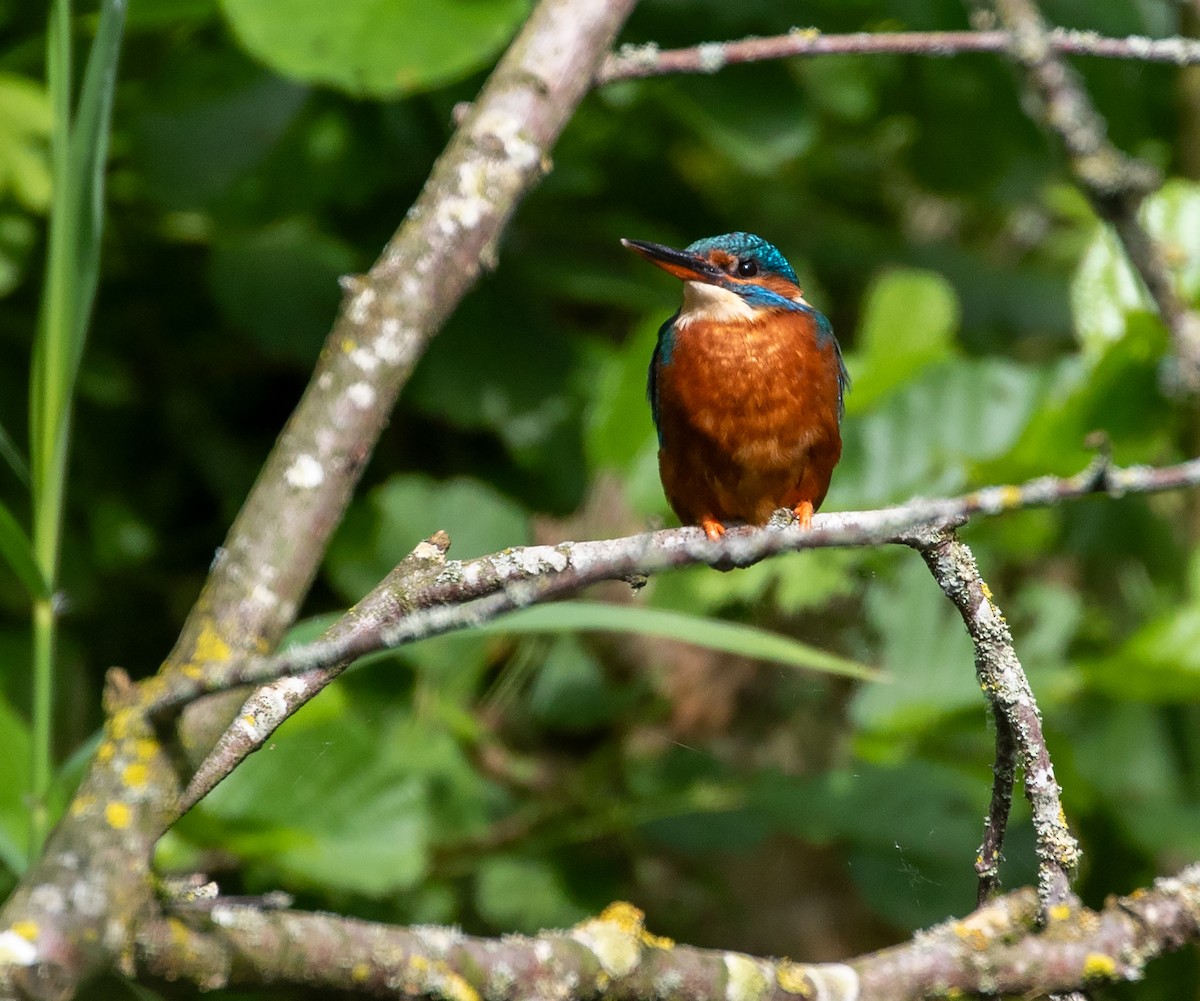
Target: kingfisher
[746,386]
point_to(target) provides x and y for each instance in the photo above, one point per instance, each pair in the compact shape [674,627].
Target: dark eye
[747,269]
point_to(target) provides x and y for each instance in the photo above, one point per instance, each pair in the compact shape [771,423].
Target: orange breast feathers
[748,412]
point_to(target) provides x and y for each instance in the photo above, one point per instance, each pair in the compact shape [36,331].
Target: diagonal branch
[498,154]
[1114,183]
[77,904]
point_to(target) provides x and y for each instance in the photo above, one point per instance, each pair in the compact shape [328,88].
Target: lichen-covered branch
[998,950]
[428,595]
[271,704]
[75,910]
[1007,689]
[639,61]
[73,914]
[1114,183]
[466,594]
[499,152]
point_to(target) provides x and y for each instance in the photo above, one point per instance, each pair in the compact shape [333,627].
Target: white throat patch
[702,301]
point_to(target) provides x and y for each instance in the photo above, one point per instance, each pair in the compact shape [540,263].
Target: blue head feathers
[747,247]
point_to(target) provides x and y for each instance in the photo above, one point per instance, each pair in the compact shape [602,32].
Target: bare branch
[633,62]
[467,594]
[995,951]
[1114,183]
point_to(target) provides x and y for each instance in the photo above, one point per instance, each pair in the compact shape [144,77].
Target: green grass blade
[17,551]
[46,445]
[11,454]
[78,156]
[54,316]
[715,634]
[89,156]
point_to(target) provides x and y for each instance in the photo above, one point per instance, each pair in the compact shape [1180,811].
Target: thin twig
[987,864]
[638,61]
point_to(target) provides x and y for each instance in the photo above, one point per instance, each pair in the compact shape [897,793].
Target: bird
[746,386]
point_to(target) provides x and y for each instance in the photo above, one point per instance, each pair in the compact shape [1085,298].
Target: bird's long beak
[679,263]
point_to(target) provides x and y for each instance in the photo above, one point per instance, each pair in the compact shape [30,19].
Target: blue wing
[825,332]
[661,356]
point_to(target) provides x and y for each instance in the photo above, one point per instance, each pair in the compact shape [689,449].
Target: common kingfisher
[746,386]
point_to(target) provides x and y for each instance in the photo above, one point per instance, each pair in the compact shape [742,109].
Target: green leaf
[733,829]
[619,429]
[523,895]
[1160,662]
[13,457]
[760,144]
[468,379]
[571,691]
[171,14]
[25,123]
[909,321]
[619,425]
[349,797]
[406,509]
[924,438]
[912,830]
[279,284]
[1105,289]
[74,251]
[1116,391]
[728,637]
[18,236]
[1127,756]
[89,158]
[378,48]
[848,88]
[926,653]
[14,783]
[17,551]
[793,584]
[215,126]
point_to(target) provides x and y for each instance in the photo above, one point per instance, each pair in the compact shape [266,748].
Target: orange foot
[804,512]
[714,529]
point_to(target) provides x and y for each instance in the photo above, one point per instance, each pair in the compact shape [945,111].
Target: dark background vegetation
[512,782]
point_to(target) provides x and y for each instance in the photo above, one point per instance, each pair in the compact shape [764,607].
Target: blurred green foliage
[509,780]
